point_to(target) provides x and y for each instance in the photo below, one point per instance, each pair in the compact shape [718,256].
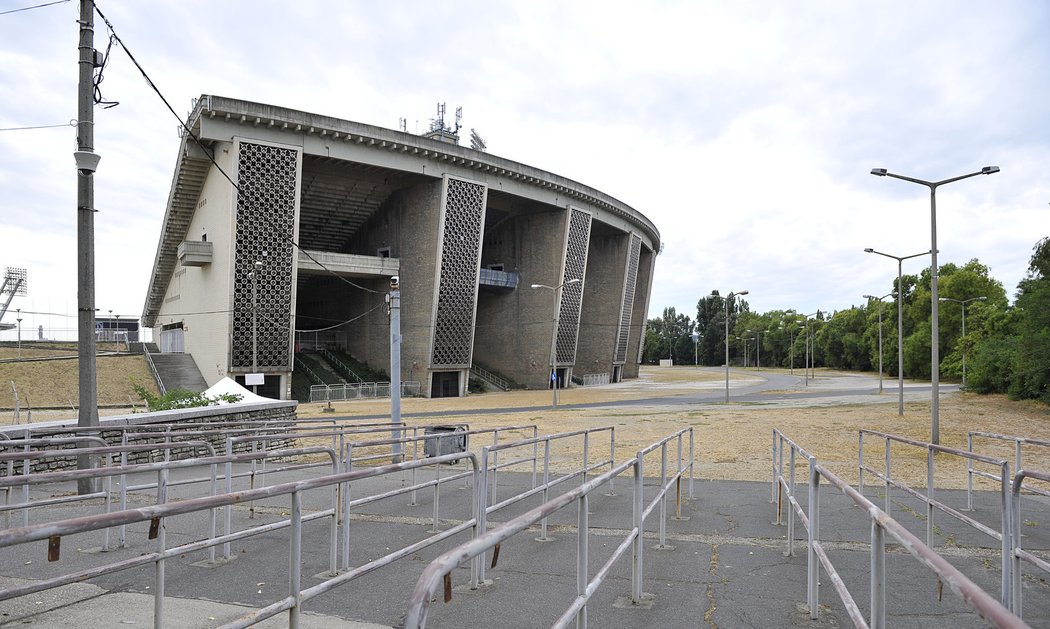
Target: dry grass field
[732,441]
[46,377]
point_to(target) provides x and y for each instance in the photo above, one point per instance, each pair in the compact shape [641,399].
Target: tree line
[1006,347]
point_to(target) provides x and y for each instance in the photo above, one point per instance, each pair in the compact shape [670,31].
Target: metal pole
[728,297]
[255,342]
[554,349]
[758,350]
[880,347]
[900,339]
[964,341]
[935,338]
[395,365]
[88,387]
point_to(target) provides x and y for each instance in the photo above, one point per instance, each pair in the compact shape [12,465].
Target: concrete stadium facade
[300,252]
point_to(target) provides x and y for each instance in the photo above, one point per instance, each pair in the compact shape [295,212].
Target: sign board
[251,379]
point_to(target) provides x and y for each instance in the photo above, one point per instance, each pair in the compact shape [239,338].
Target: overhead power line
[207,151]
[38,6]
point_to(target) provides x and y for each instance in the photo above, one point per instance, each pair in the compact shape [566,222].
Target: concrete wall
[419,275]
[201,297]
[111,429]
[513,332]
[602,299]
[643,287]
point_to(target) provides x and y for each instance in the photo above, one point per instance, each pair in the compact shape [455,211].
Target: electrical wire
[71,123]
[207,151]
[38,6]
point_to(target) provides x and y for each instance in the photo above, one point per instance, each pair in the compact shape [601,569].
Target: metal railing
[1018,443]
[882,525]
[332,358]
[440,569]
[358,391]
[153,370]
[594,379]
[301,364]
[929,497]
[489,377]
[1017,553]
[156,515]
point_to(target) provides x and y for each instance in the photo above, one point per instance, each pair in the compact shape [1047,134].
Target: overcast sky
[744,130]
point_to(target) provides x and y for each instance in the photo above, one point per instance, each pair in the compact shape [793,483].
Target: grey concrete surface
[727,568]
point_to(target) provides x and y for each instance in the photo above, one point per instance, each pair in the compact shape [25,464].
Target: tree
[1032,367]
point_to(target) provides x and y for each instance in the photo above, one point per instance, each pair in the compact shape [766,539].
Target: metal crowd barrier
[932,504]
[297,594]
[985,605]
[1017,553]
[490,473]
[358,391]
[440,569]
[1018,442]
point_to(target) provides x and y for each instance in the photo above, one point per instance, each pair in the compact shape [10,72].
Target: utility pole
[395,365]
[87,160]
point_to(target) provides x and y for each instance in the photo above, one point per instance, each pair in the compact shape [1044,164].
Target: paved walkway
[723,565]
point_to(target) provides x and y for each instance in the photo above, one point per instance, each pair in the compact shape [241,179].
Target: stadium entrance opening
[444,384]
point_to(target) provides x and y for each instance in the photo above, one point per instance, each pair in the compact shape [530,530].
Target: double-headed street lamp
[554,333]
[879,299]
[900,323]
[729,297]
[935,375]
[963,302]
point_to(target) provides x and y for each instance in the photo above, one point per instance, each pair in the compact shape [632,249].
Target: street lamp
[696,350]
[809,358]
[935,366]
[963,302]
[554,333]
[18,318]
[255,302]
[758,349]
[791,345]
[879,299]
[900,323]
[729,297]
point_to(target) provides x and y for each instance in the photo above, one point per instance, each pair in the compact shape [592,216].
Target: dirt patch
[734,441]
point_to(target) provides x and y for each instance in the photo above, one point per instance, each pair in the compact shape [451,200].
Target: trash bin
[441,440]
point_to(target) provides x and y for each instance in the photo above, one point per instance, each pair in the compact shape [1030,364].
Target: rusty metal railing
[1017,552]
[933,504]
[984,604]
[1018,443]
[53,532]
[440,569]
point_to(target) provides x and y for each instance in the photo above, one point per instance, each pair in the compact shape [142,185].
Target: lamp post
[791,346]
[729,297]
[255,302]
[696,350]
[808,363]
[935,364]
[18,318]
[900,322]
[758,349]
[963,302]
[554,334]
[879,299]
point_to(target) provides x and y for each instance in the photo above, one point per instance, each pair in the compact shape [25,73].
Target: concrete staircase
[177,371]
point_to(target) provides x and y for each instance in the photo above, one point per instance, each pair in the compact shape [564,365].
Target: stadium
[284,230]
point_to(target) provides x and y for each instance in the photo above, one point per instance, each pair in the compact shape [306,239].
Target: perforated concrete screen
[266,178]
[624,333]
[572,294]
[463,216]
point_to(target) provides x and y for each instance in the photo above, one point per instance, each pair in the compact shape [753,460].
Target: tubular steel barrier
[984,604]
[492,472]
[932,504]
[358,391]
[474,551]
[1017,553]
[156,515]
[1018,443]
